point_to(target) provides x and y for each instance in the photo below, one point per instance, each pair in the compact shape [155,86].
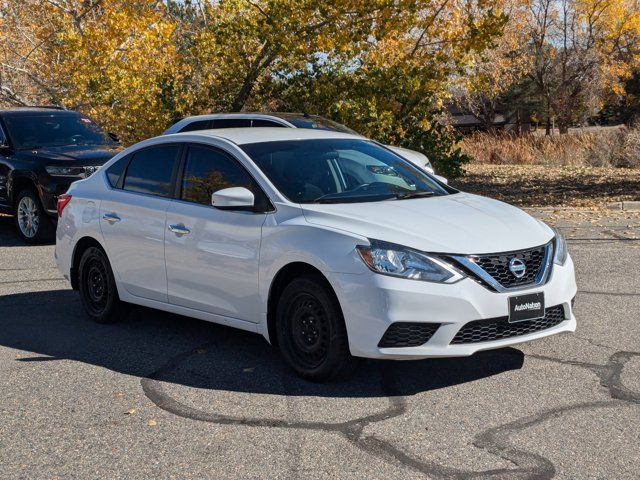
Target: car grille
[407,334]
[498,266]
[499,328]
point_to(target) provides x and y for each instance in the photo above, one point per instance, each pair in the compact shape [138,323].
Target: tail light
[63,200]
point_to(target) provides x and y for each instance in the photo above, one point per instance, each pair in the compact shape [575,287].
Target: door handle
[111,217]
[179,229]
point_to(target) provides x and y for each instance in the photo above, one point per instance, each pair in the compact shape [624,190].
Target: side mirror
[113,137]
[442,179]
[234,198]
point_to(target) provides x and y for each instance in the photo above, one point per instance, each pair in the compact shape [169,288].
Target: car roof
[241,136]
[26,111]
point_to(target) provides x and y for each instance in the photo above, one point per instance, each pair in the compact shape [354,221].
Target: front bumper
[371,303]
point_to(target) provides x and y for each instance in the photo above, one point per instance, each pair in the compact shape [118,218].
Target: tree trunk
[547,130]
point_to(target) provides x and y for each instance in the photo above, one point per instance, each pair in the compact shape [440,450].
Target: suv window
[258,122]
[193,126]
[151,169]
[54,130]
[208,170]
[230,123]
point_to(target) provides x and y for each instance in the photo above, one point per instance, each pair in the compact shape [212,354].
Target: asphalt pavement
[163,396]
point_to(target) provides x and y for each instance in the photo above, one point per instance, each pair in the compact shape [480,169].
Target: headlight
[428,165]
[559,247]
[80,172]
[398,261]
[65,171]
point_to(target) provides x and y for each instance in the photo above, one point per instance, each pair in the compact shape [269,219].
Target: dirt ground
[540,186]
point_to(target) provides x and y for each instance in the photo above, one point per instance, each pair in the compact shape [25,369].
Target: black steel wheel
[98,291]
[311,331]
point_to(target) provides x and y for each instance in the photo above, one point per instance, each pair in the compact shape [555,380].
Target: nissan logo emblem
[517,267]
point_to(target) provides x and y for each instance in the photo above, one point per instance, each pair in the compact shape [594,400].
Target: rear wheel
[98,291]
[32,222]
[311,331]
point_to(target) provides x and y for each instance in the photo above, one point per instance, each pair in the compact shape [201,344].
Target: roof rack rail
[52,107]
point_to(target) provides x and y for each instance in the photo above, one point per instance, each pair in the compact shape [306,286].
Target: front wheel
[311,330]
[32,222]
[98,291]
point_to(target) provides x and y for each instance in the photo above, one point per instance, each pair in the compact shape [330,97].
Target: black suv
[42,151]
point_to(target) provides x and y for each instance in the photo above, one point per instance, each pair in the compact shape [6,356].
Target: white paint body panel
[135,244]
[214,268]
[223,269]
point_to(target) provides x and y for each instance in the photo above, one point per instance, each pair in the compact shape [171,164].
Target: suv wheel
[98,291]
[311,331]
[32,222]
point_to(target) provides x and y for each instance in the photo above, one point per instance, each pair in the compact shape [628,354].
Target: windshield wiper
[333,198]
[405,196]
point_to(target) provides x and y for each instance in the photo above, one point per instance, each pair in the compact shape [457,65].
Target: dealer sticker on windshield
[526,307]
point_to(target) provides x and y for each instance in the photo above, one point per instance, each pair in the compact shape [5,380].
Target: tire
[98,291]
[32,222]
[311,332]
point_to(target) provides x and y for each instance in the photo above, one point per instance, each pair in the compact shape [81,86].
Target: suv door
[132,219]
[4,170]
[212,255]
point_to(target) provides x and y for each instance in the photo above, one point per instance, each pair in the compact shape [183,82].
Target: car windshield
[340,171]
[315,122]
[54,130]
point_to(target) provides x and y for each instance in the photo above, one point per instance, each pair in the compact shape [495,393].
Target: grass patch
[617,147]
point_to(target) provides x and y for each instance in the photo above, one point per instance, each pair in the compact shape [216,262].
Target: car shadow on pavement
[8,235]
[51,325]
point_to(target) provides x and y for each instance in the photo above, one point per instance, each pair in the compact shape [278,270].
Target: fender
[16,177]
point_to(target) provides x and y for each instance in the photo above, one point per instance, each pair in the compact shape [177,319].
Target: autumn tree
[490,82]
[113,60]
[384,67]
[393,87]
[580,50]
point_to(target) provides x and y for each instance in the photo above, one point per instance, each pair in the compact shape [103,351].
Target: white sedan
[286,120]
[327,244]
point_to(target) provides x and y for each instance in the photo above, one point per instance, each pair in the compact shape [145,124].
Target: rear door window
[151,170]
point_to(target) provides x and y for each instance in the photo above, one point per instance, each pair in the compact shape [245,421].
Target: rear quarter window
[114,172]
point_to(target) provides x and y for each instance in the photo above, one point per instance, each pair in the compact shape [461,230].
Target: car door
[212,255]
[133,216]
[4,169]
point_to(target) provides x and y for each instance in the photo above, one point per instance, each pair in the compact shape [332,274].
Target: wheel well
[81,247]
[281,280]
[20,184]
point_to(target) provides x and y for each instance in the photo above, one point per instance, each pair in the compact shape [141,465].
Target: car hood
[85,155]
[458,223]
